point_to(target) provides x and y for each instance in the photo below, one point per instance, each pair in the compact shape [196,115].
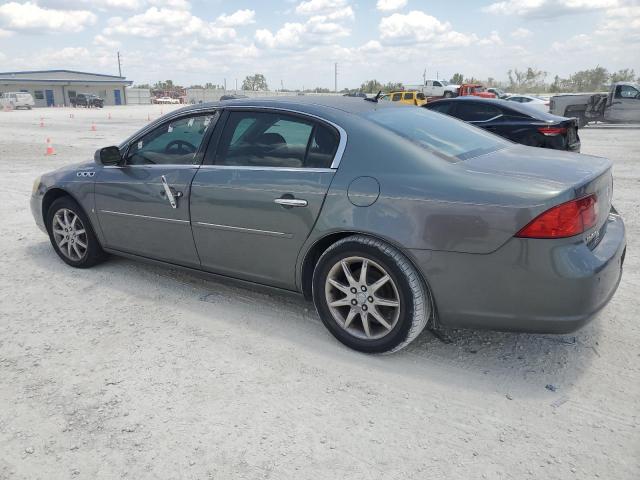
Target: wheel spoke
[75,248]
[80,232]
[59,232]
[352,314]
[365,323]
[343,302]
[379,283]
[379,318]
[347,272]
[363,272]
[65,213]
[60,222]
[69,249]
[339,286]
[73,222]
[385,302]
[81,243]
[62,242]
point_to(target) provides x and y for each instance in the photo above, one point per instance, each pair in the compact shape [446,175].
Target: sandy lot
[141,372]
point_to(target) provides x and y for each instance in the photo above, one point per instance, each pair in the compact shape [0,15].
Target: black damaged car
[516,122]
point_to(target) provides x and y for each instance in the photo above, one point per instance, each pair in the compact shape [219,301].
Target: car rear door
[256,199]
[143,205]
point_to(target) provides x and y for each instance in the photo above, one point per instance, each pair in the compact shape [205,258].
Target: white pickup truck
[440,88]
[620,105]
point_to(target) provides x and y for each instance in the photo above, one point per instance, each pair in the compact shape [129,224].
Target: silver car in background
[389,217]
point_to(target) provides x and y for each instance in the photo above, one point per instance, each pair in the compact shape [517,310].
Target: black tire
[532,140]
[94,253]
[448,94]
[582,121]
[414,300]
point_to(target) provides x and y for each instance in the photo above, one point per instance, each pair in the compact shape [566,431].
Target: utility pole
[424,76]
[236,91]
[119,66]
[225,85]
[335,77]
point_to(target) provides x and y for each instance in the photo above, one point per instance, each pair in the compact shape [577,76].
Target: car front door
[438,89]
[625,105]
[255,201]
[143,204]
[480,114]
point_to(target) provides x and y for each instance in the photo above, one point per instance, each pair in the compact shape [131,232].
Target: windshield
[444,82]
[445,136]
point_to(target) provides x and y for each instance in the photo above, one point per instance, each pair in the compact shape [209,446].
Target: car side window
[442,107]
[408,96]
[437,84]
[396,97]
[275,140]
[173,143]
[420,96]
[626,91]
[476,111]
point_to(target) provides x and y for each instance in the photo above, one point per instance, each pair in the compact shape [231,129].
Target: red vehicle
[475,90]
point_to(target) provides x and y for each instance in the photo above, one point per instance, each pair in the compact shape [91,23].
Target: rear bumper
[539,286]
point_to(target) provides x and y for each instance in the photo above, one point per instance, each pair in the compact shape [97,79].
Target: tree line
[530,80]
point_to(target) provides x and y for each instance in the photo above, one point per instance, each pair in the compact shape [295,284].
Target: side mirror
[108,156]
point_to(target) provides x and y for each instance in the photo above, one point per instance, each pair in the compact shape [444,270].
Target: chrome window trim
[487,120]
[342,143]
[161,219]
[267,168]
[230,228]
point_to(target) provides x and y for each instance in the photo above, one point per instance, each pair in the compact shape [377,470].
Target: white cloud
[165,22]
[520,33]
[31,17]
[389,5]
[548,8]
[418,27]
[105,41]
[237,19]
[5,33]
[319,7]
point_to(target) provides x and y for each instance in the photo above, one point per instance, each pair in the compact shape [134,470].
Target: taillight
[551,131]
[564,220]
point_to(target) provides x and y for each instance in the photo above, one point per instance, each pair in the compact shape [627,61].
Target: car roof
[312,104]
[518,107]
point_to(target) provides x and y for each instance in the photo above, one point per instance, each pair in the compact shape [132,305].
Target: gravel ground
[135,371]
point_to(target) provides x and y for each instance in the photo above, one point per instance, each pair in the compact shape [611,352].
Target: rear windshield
[445,136]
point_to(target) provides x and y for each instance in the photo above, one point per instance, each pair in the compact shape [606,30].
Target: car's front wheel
[448,94]
[369,295]
[71,234]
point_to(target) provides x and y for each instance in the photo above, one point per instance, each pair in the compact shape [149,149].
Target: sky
[295,43]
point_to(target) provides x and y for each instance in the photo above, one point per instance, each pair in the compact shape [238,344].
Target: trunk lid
[556,177]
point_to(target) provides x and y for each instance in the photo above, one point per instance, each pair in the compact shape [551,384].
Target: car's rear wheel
[369,295]
[448,94]
[71,234]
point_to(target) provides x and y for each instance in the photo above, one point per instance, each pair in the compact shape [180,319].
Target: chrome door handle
[291,202]
[171,195]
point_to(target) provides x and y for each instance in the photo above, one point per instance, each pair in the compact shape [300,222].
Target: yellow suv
[409,97]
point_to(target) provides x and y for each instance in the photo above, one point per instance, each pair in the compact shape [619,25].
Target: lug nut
[364,288]
[354,302]
[364,307]
[370,299]
[354,290]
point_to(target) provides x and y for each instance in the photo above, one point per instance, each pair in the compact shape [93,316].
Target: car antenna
[376,98]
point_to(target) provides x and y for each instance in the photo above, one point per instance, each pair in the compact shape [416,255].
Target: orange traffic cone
[41,122]
[148,117]
[50,150]
[71,115]
[93,127]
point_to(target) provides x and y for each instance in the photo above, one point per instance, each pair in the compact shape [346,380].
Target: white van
[17,100]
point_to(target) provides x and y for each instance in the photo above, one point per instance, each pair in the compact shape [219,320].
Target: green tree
[371,86]
[255,82]
[392,87]
[626,75]
[457,79]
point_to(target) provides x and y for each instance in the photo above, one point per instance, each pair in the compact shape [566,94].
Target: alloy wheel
[362,297]
[69,234]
